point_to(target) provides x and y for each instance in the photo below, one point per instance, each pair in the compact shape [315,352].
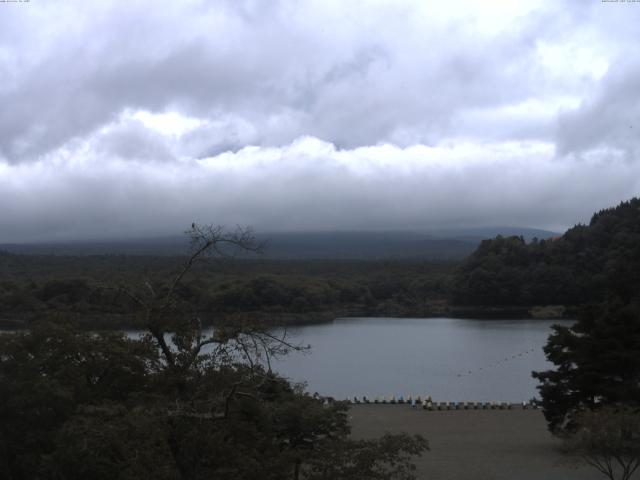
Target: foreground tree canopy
[176,403]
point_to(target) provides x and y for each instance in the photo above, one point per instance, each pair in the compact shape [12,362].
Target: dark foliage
[597,363]
[580,267]
[84,288]
[76,405]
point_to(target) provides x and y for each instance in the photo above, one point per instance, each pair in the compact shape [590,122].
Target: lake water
[449,359]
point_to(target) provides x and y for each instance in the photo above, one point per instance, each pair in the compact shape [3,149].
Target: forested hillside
[579,267]
[82,288]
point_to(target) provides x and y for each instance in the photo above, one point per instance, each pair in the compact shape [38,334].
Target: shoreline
[109,322]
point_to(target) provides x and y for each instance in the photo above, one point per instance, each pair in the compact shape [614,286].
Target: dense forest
[577,268]
[274,290]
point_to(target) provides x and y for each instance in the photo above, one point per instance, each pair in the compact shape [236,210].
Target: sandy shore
[475,444]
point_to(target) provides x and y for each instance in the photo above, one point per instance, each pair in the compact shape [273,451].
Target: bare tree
[608,439]
[177,329]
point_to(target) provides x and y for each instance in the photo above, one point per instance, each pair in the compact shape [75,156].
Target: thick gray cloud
[610,119]
[130,118]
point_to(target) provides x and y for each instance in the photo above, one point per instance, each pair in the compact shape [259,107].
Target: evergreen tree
[597,362]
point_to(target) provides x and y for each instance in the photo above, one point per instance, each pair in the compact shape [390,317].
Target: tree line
[82,287]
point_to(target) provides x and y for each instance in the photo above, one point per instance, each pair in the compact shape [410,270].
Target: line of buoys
[497,363]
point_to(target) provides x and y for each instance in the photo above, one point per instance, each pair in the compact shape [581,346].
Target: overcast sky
[136,118]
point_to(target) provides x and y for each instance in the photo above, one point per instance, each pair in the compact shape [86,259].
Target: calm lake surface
[449,359]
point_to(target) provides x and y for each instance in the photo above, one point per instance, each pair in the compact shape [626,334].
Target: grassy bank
[475,444]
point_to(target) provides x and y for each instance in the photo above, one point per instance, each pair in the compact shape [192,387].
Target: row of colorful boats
[426,403]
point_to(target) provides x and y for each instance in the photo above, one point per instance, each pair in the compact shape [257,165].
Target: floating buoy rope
[495,364]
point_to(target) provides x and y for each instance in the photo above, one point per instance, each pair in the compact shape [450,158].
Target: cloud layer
[125,119]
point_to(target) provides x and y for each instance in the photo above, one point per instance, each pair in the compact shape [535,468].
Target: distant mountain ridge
[450,244]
